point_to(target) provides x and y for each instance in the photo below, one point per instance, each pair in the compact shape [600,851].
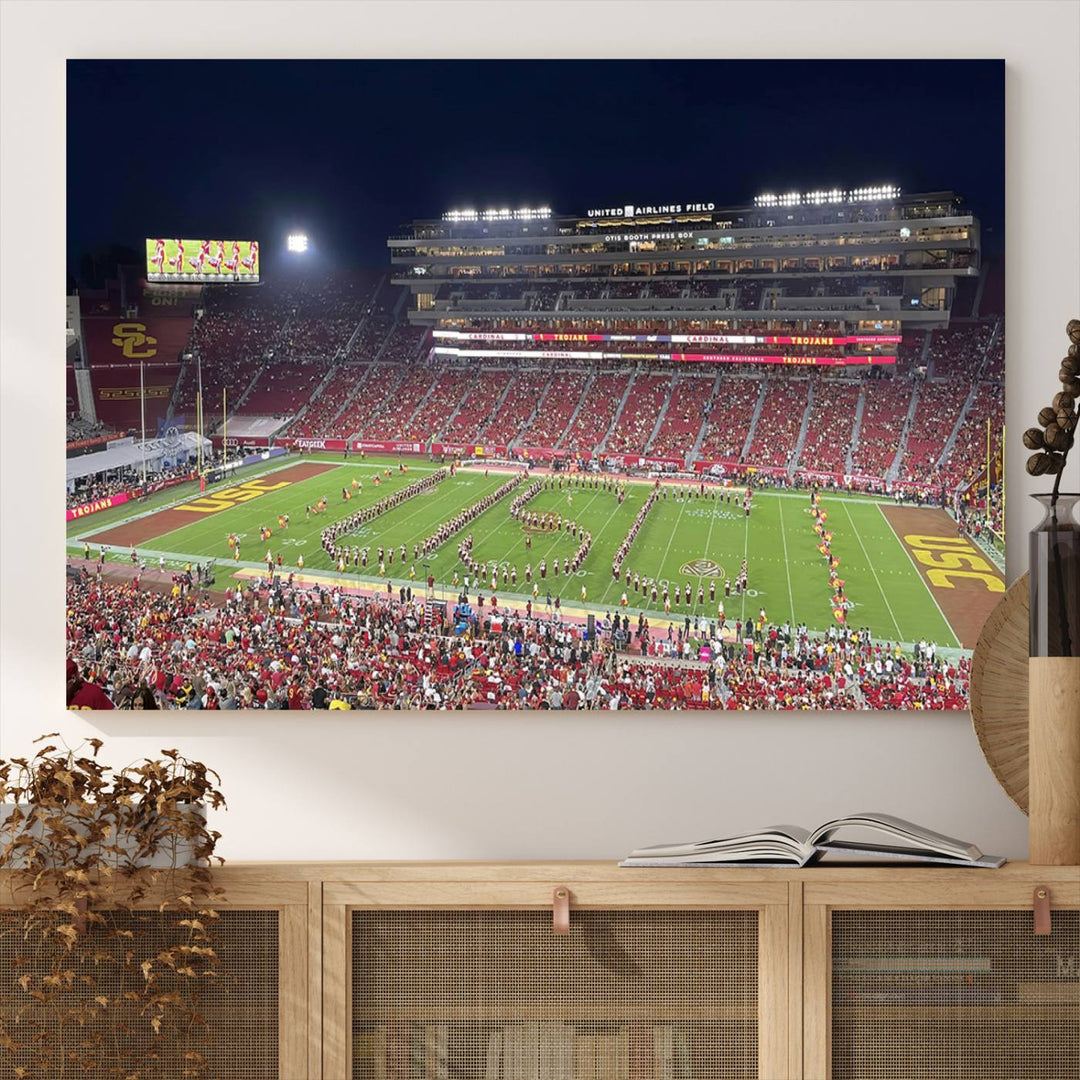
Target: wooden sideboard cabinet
[423,971]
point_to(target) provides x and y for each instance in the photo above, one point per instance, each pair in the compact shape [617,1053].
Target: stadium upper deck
[859,261]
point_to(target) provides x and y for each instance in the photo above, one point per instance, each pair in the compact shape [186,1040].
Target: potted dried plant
[1054,664]
[107,915]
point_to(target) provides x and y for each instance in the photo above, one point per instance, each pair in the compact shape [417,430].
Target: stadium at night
[739,457]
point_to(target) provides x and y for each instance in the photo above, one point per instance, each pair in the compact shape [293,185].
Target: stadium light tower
[297,242]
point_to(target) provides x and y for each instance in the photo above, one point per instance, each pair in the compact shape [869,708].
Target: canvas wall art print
[638,385]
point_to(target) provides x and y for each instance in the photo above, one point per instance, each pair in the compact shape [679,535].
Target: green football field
[683,541]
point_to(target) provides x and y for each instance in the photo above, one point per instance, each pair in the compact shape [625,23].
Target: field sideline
[685,540]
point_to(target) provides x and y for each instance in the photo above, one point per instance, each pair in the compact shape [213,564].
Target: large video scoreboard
[230,261]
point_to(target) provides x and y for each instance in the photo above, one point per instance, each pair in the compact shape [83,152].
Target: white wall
[512,786]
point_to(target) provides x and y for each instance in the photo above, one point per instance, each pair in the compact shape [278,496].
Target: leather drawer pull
[560,911]
[1041,904]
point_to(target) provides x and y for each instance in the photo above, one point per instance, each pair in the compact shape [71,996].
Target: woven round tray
[999,692]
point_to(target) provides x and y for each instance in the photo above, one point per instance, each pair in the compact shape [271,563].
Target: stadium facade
[866,262]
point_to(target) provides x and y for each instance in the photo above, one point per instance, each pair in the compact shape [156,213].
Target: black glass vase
[1054,579]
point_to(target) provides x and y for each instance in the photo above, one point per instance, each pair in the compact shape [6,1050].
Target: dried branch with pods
[1053,439]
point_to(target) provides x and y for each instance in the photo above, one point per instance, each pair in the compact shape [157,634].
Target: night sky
[350,150]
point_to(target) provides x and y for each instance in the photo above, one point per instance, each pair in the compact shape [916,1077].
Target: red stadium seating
[778,425]
[729,418]
[596,413]
[968,455]
[316,422]
[562,399]
[684,417]
[635,425]
[526,389]
[958,351]
[935,415]
[282,387]
[277,343]
[369,399]
[832,417]
[152,339]
[394,414]
[369,338]
[885,407]
[118,395]
[995,360]
[909,352]
[449,388]
[403,344]
[478,407]
[232,377]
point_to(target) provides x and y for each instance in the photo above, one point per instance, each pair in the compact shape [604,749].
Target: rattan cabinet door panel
[495,995]
[232,1020]
[954,995]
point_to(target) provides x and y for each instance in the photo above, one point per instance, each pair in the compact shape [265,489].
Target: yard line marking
[787,565]
[671,538]
[746,558]
[956,640]
[888,606]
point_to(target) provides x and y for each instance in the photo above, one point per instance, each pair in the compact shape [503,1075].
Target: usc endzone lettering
[233,496]
[945,555]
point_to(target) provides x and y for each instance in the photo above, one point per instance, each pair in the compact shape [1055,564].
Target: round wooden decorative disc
[999,692]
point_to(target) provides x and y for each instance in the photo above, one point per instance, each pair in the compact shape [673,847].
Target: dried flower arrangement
[107,933]
[1054,438]
[1053,573]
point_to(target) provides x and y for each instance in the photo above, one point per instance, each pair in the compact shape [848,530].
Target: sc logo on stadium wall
[131,336]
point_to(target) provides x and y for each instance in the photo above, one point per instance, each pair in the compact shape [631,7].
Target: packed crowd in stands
[243,339]
[968,455]
[313,336]
[372,395]
[523,398]
[369,337]
[91,488]
[393,416]
[279,646]
[232,376]
[994,371]
[403,344]
[957,352]
[236,332]
[450,386]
